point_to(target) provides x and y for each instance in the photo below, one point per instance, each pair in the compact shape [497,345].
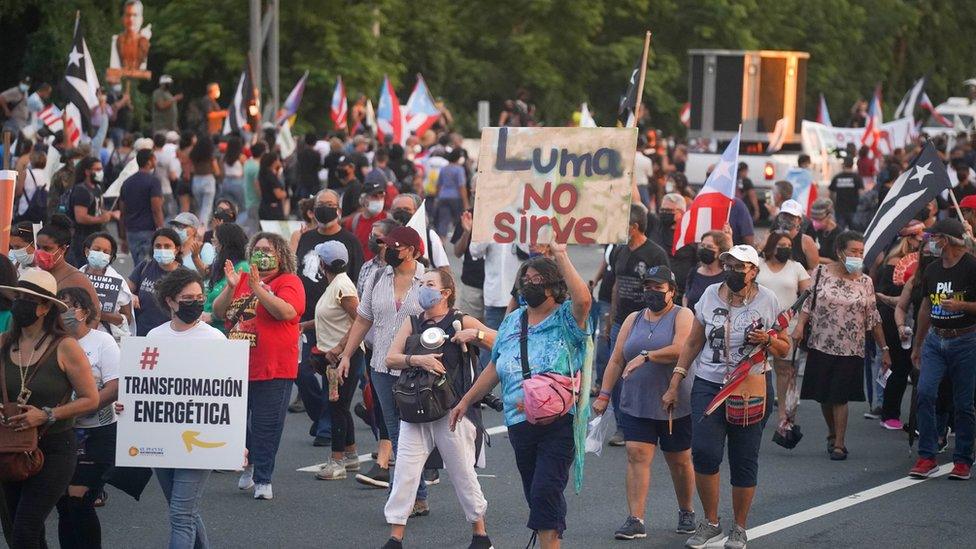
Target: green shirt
[212,293]
[252,198]
[163,119]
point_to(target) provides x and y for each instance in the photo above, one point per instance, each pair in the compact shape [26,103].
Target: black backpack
[37,204]
[422,396]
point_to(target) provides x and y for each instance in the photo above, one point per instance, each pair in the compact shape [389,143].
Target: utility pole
[265,38]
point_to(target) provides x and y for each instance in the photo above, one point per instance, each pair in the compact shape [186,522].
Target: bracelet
[603,397]
[605,393]
[408,360]
[682,371]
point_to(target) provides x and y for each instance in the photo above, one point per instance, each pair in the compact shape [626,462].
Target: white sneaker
[351,463]
[263,491]
[246,482]
[331,470]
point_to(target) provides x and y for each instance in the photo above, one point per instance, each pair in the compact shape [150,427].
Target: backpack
[36,211]
[422,396]
[64,203]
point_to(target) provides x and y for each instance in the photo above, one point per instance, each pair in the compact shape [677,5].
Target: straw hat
[37,283]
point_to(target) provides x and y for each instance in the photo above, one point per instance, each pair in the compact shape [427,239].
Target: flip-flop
[838,454]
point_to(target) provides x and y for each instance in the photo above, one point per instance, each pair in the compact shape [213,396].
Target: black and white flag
[907,106]
[80,80]
[243,98]
[628,101]
[912,191]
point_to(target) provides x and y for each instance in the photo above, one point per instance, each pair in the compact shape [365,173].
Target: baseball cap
[344,161]
[821,208]
[968,203]
[743,252]
[792,207]
[172,137]
[403,236]
[186,219]
[165,79]
[143,143]
[331,251]
[659,273]
[947,227]
[375,182]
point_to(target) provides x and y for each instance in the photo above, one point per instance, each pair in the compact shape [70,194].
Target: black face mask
[373,245]
[392,258]
[24,312]
[534,294]
[189,311]
[735,280]
[783,254]
[401,215]
[667,219]
[655,300]
[326,214]
[706,256]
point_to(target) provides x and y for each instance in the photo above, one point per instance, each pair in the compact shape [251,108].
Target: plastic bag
[597,430]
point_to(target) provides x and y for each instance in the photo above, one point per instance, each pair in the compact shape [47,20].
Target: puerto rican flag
[872,129]
[420,109]
[339,110]
[72,125]
[926,104]
[51,116]
[710,209]
[823,115]
[389,118]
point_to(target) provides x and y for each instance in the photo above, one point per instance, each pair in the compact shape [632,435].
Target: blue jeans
[872,366]
[183,489]
[267,405]
[954,357]
[494,316]
[383,385]
[232,188]
[314,394]
[204,188]
[139,244]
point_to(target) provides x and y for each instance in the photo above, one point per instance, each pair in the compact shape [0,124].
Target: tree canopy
[563,52]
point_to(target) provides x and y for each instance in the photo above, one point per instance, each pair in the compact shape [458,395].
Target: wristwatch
[481,335]
[646,354]
[50,414]
[885,349]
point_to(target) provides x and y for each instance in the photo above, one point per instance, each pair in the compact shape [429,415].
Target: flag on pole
[926,104]
[418,222]
[389,117]
[340,108]
[284,140]
[586,119]
[710,209]
[823,116]
[628,101]
[906,108]
[421,113]
[51,116]
[685,115]
[294,99]
[72,124]
[872,130]
[370,117]
[912,191]
[80,80]
[243,96]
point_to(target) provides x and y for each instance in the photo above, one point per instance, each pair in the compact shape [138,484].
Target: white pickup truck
[764,170]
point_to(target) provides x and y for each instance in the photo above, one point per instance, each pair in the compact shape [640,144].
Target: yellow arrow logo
[190,440]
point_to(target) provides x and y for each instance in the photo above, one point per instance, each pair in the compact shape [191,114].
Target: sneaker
[351,462]
[263,491]
[633,528]
[873,413]
[377,477]
[960,471]
[737,538]
[480,542]
[296,406]
[617,439]
[923,468]
[686,522]
[392,543]
[321,442]
[331,470]
[420,508]
[894,424]
[432,477]
[246,482]
[705,534]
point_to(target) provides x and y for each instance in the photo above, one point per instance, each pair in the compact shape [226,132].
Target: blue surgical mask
[207,254]
[853,264]
[183,235]
[98,260]
[164,257]
[21,257]
[429,297]
[24,87]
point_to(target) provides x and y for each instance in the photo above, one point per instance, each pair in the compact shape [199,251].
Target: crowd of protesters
[345,298]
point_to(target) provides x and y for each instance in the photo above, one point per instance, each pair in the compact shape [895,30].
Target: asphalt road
[308,513]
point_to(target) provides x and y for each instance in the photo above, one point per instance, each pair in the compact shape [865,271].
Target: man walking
[141,206]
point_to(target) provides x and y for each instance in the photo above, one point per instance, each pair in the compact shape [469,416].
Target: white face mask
[374,207]
[98,176]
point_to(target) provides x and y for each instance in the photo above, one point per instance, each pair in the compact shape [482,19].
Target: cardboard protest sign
[185,403]
[572,185]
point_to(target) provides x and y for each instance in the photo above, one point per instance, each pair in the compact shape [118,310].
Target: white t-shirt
[331,320]
[200,330]
[501,266]
[33,177]
[103,355]
[643,168]
[234,170]
[785,283]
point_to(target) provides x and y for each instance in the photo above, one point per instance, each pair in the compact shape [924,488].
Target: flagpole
[955,204]
[728,214]
[634,194]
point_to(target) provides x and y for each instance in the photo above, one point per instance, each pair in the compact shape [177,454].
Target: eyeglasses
[534,279]
[738,268]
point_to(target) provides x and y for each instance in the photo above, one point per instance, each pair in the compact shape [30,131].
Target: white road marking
[368,457]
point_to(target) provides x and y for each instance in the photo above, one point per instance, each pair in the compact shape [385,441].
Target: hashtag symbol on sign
[150,357]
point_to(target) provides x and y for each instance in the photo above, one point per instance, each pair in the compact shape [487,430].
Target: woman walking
[205,173]
[712,245]
[116,315]
[166,258]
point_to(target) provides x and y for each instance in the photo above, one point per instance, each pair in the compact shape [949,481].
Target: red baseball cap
[968,202]
[404,236]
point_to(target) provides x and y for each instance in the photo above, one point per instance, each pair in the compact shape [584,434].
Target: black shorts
[181,187]
[655,431]
[96,455]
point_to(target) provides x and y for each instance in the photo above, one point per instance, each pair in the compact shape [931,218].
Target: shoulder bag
[422,396]
[547,396]
[808,327]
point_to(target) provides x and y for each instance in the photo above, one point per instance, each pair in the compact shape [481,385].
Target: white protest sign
[819,138]
[284,229]
[185,403]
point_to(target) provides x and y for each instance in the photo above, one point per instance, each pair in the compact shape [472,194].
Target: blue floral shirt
[554,344]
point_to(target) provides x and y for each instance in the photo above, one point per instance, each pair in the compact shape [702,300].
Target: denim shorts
[709,434]
[655,431]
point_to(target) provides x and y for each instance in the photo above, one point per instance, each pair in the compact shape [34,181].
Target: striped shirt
[379,307]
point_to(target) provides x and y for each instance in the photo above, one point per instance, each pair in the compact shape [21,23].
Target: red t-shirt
[363,229]
[274,343]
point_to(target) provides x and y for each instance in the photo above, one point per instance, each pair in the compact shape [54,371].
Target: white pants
[417,441]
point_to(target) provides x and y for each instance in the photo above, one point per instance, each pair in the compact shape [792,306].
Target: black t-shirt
[307,164]
[137,193]
[149,314]
[313,288]
[825,241]
[472,270]
[628,267]
[962,191]
[271,207]
[331,163]
[957,282]
[350,197]
[846,186]
[606,283]
[360,161]
[81,195]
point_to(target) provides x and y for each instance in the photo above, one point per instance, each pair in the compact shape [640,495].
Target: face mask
[667,219]
[401,215]
[117,88]
[326,214]
[23,88]
[45,259]
[655,300]
[669,187]
[853,264]
[706,256]
[429,297]
[21,257]
[189,311]
[933,248]
[374,207]
[783,254]
[264,261]
[534,294]
[818,225]
[24,312]
[207,254]
[98,260]
[69,321]
[164,257]
[392,257]
[98,176]
[184,235]
[373,245]
[735,280]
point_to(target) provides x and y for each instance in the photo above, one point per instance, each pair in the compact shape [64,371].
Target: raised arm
[579,291]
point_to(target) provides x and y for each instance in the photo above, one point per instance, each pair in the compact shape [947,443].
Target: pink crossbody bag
[548,396]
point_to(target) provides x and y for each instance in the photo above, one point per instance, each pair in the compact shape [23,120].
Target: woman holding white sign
[100,252]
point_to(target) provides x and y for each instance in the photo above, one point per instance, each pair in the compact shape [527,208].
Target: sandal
[838,454]
[830,444]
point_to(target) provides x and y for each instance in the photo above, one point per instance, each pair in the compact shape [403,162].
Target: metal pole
[273,61]
[256,41]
